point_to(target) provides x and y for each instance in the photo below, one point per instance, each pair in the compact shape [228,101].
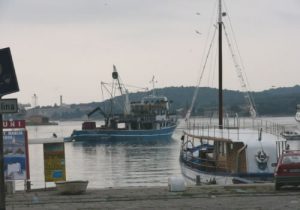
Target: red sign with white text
[14,124]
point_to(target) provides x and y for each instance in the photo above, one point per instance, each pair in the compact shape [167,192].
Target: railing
[204,164]
[232,127]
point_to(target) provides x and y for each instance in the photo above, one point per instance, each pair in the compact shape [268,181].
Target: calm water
[107,165]
[117,164]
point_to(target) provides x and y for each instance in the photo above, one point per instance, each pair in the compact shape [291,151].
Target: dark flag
[8,79]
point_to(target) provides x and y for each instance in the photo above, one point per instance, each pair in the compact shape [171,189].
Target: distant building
[38,120]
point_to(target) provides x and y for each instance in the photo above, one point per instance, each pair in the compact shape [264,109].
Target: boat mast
[153,85]
[115,76]
[220,67]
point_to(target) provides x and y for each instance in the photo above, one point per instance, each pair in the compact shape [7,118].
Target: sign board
[8,79]
[54,162]
[8,105]
[14,124]
[14,143]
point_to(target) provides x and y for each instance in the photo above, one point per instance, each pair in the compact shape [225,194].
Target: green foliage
[275,102]
[280,101]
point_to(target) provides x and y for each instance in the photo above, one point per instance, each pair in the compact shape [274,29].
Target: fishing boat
[147,119]
[229,150]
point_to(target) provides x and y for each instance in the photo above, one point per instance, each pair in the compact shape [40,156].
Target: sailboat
[226,150]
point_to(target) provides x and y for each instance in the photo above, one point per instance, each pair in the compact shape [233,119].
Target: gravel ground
[246,197]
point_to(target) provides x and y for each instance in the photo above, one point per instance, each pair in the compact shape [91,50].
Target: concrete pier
[246,197]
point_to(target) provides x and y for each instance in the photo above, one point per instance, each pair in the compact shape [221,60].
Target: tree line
[272,102]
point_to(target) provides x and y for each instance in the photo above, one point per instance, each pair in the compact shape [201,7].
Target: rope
[240,58]
[188,114]
[240,76]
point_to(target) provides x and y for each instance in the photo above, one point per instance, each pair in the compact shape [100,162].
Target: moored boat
[147,119]
[227,151]
[242,153]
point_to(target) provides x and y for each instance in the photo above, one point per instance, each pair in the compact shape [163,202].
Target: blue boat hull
[122,135]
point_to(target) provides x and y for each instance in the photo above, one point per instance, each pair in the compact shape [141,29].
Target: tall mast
[153,85]
[220,68]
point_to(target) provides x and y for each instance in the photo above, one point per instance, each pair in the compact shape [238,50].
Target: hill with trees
[272,102]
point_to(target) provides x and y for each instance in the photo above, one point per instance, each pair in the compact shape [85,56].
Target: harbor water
[118,164]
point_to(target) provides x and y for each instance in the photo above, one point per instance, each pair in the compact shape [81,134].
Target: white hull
[297,116]
[227,156]
[190,177]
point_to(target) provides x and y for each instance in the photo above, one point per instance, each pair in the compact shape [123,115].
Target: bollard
[10,187]
[198,180]
[176,184]
[28,185]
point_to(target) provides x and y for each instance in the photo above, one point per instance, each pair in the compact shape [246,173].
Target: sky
[67,47]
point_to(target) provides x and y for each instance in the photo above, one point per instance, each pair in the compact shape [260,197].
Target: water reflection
[122,163]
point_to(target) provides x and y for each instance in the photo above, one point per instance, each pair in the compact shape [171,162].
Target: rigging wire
[240,75]
[236,59]
[214,63]
[233,35]
[210,70]
[240,59]
[131,86]
[211,25]
[102,93]
[203,60]
[188,114]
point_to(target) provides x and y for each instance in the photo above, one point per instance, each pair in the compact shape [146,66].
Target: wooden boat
[220,155]
[223,150]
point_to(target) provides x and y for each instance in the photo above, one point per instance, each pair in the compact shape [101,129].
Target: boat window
[218,147]
[121,125]
[224,148]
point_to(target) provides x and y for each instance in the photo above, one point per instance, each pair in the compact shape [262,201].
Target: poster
[14,150]
[54,162]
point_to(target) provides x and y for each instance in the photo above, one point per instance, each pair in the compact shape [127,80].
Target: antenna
[34,100]
[153,81]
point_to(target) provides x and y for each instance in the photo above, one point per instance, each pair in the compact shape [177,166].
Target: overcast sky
[67,47]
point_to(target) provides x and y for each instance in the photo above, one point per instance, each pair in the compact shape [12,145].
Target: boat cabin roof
[152,99]
[247,136]
[257,144]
